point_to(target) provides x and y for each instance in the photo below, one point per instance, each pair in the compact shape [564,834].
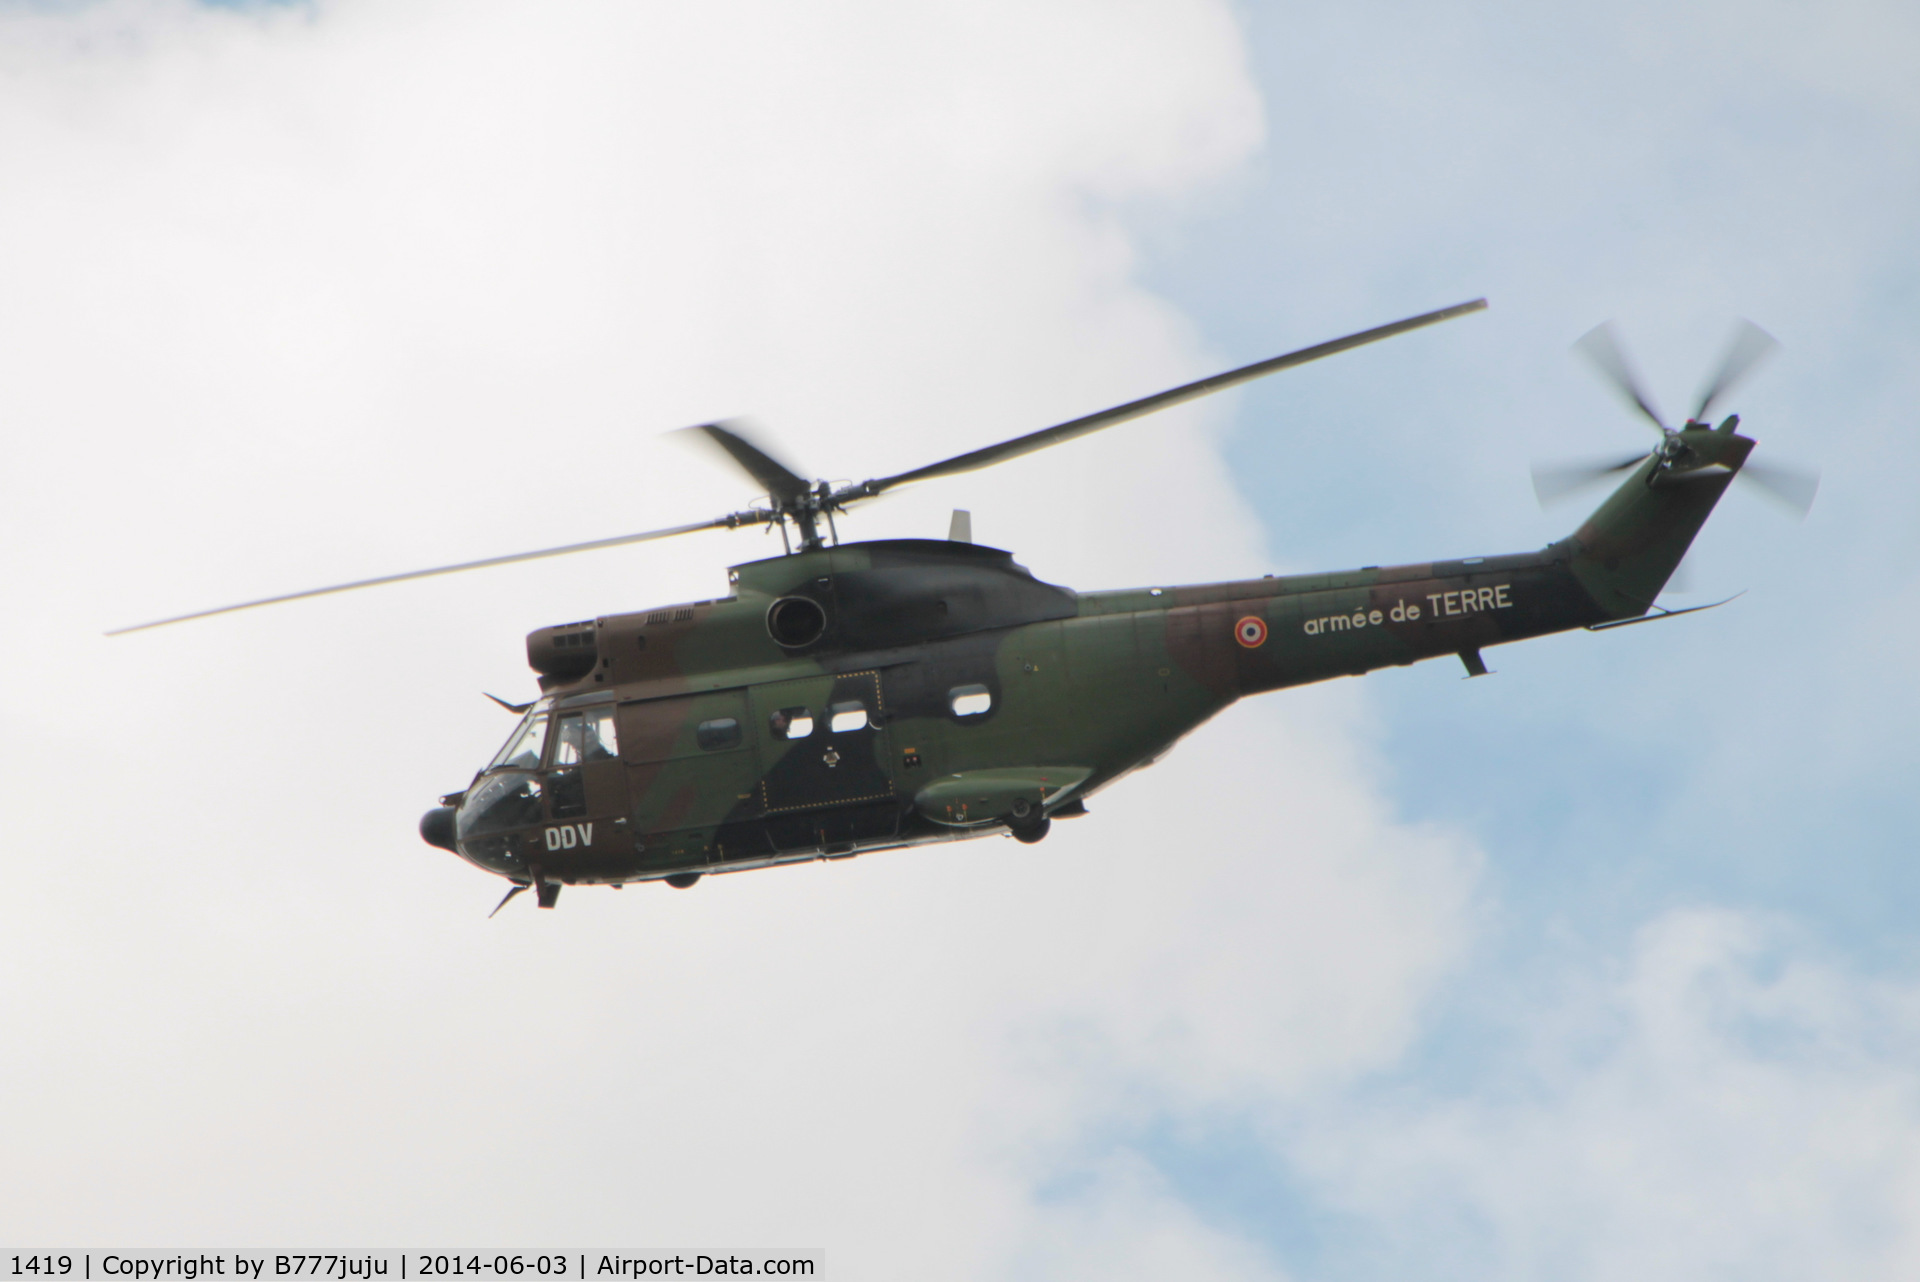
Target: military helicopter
[844,698]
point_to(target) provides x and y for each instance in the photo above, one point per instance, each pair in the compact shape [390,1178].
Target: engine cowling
[565,650]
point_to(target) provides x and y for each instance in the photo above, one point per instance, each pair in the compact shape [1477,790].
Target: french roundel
[1250,632]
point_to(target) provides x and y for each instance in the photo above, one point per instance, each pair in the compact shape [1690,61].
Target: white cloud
[1729,1101]
[297,297]
[1125,1222]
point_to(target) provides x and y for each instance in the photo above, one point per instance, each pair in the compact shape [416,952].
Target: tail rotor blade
[1600,347]
[1750,345]
[1791,487]
[1555,481]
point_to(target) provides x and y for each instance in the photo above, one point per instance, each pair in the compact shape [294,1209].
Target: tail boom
[1243,638]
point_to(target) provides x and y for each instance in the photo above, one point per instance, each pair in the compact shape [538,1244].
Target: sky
[1600,967]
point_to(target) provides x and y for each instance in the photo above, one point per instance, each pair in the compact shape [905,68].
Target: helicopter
[850,697]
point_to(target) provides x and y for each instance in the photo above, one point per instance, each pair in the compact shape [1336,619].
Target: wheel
[1031,832]
[682,880]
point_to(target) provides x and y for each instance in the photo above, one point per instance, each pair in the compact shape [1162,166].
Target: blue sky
[1751,189]
[1672,168]
[1600,967]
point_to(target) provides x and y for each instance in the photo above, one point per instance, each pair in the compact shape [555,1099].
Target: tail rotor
[1749,346]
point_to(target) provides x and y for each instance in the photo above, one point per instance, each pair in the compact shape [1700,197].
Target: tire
[1032,832]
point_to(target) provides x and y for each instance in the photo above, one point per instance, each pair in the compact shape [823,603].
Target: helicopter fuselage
[871,695]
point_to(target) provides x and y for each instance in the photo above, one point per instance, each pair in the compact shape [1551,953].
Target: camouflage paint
[1083,688]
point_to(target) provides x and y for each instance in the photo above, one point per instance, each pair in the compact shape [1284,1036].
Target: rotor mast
[806,513]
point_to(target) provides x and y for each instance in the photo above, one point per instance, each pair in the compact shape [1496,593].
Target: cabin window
[524,748]
[791,723]
[970,701]
[670,729]
[721,732]
[845,718]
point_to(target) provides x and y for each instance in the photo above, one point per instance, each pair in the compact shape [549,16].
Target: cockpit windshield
[524,748]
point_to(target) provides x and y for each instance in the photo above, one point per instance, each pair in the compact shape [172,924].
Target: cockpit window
[586,736]
[503,802]
[601,744]
[523,750]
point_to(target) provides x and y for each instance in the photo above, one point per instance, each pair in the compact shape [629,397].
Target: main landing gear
[1026,823]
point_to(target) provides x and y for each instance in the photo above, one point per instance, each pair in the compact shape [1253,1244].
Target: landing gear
[1026,822]
[682,880]
[1032,831]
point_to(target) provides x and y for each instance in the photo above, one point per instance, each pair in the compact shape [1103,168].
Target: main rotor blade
[782,484]
[1750,345]
[1134,409]
[1599,346]
[1790,486]
[726,522]
[1555,481]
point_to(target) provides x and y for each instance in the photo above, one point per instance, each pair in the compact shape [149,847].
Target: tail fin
[1626,551]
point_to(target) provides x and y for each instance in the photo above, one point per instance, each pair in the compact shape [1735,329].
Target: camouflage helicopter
[851,697]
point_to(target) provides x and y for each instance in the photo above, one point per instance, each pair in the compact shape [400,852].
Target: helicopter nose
[436,828]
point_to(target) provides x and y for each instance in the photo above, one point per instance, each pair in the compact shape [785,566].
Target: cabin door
[586,794]
[824,741]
